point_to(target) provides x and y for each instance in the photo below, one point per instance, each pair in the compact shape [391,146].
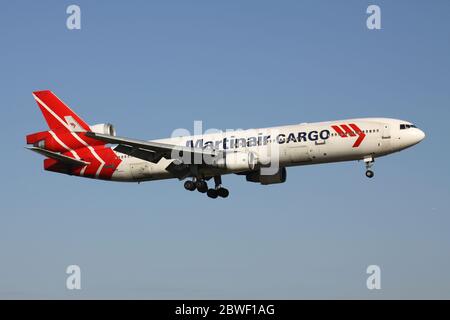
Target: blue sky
[150,67]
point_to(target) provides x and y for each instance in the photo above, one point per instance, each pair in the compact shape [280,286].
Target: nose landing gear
[369,163]
[369,174]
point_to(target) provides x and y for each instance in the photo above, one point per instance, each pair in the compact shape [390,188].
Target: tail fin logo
[350,130]
[73,124]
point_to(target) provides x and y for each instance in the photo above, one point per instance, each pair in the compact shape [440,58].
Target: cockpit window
[406,126]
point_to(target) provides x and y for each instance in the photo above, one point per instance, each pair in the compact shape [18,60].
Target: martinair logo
[73,123]
[350,130]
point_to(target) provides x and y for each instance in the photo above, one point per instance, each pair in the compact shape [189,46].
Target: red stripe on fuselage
[111,162]
[360,133]
[86,155]
[353,131]
[106,154]
[339,131]
[348,130]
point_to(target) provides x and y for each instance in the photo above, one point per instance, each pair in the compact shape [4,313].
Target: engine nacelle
[278,177]
[238,161]
[104,128]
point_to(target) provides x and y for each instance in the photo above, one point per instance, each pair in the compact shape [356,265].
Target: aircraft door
[386,131]
[386,137]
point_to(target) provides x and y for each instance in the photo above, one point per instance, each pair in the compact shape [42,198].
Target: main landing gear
[202,186]
[198,184]
[218,190]
[369,163]
[190,185]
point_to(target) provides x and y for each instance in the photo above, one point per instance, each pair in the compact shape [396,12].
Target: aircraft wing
[148,150]
[60,157]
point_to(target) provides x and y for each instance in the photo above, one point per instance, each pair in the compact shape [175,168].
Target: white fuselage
[292,145]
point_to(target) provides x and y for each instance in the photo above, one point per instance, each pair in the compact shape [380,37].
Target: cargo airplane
[73,147]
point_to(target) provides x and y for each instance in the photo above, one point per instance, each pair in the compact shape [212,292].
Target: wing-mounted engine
[238,161]
[278,177]
[104,128]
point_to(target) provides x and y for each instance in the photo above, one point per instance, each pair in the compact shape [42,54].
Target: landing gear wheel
[223,192]
[369,174]
[212,193]
[189,185]
[201,186]
[369,160]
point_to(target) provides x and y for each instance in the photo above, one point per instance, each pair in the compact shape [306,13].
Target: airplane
[73,147]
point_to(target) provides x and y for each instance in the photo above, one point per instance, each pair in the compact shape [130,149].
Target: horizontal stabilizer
[60,157]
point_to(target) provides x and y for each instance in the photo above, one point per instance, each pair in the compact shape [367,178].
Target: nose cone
[415,136]
[408,137]
[420,135]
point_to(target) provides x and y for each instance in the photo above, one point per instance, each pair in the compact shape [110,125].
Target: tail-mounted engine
[60,140]
[104,128]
